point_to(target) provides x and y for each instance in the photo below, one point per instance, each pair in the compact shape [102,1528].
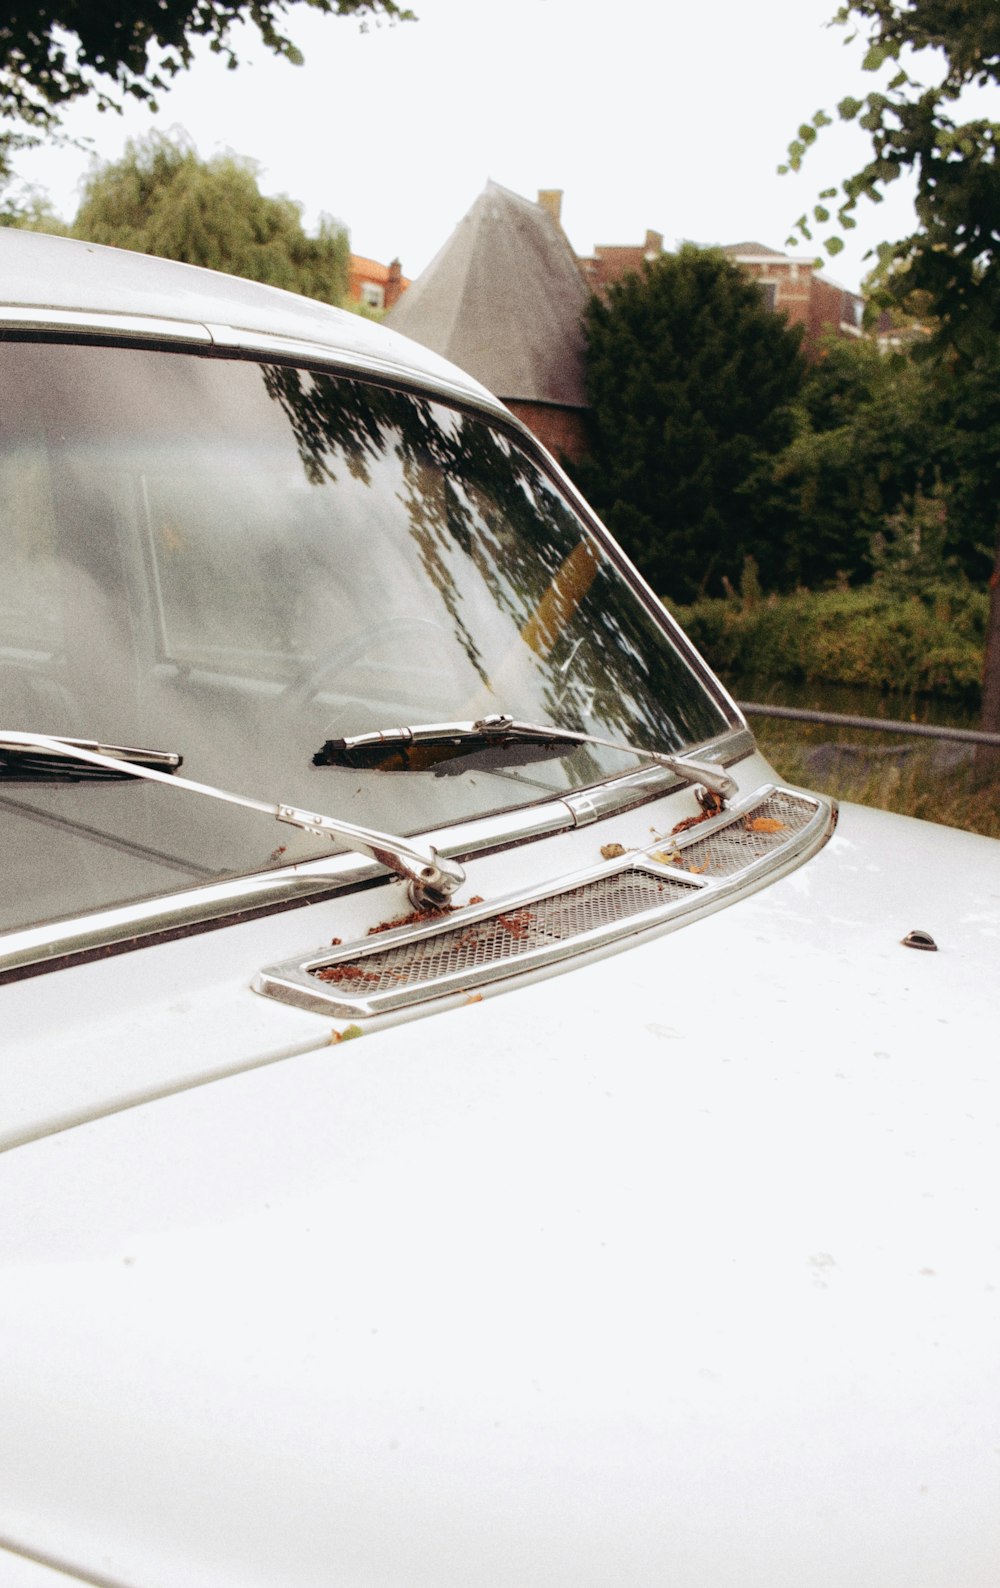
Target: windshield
[236,562]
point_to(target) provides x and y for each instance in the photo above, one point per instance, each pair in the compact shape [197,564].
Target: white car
[465,1121]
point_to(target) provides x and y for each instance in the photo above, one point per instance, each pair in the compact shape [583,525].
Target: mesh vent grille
[480,945]
[753,836]
[501,938]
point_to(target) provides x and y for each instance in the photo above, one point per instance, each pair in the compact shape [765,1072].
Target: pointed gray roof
[752,248]
[504,299]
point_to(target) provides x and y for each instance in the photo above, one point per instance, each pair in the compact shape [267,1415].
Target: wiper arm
[432,877]
[24,759]
[432,744]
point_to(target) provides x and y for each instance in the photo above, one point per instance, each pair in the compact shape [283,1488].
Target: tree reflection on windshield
[473,497]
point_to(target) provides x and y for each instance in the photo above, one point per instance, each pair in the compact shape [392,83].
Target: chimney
[654,245]
[393,283]
[550,198]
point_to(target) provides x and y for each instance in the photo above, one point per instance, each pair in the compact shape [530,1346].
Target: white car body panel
[588,1282]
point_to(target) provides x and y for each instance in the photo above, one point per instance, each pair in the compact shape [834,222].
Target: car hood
[680,1267]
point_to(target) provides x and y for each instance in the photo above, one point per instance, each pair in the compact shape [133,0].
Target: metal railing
[833,719]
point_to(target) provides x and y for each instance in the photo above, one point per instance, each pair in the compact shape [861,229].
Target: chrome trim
[607,799]
[348,360]
[262,344]
[22,317]
[295,981]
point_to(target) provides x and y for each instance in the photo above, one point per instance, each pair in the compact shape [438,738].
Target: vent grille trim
[666,884]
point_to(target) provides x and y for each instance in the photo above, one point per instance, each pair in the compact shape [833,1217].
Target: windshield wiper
[432,877]
[500,740]
[23,759]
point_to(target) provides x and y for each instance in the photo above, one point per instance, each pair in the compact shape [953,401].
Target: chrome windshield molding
[129,926]
[149,327]
[505,940]
[648,783]
[263,345]
[355,361]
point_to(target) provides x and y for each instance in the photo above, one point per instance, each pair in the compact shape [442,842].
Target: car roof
[50,281]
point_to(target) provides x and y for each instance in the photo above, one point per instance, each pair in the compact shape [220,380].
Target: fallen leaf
[474,998]
[764,824]
[666,857]
[613,851]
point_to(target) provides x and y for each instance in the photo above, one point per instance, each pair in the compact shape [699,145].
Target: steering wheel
[308,680]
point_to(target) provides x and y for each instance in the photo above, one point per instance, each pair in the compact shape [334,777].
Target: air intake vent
[462,951]
[476,945]
[765,829]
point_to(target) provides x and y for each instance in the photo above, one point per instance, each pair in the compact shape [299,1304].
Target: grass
[922,645]
[929,780]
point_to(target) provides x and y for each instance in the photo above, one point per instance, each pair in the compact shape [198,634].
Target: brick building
[374,284]
[610,263]
[794,287]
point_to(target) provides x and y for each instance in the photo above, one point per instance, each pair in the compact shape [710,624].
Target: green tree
[160,198]
[55,51]
[872,436]
[948,267]
[691,380]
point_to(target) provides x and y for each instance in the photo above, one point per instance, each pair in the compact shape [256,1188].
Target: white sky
[647,113]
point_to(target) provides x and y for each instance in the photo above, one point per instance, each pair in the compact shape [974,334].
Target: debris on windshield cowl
[763,824]
[666,857]
[613,851]
[347,1035]
[419,916]
[712,805]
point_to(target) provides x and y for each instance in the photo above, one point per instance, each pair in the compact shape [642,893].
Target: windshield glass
[237,561]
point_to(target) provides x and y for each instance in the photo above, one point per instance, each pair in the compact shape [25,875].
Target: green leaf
[834,245]
[821,214]
[849,107]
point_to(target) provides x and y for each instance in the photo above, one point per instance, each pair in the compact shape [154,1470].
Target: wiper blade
[24,759]
[433,745]
[432,877]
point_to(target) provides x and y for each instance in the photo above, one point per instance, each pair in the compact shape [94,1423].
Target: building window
[373,295]
[769,292]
